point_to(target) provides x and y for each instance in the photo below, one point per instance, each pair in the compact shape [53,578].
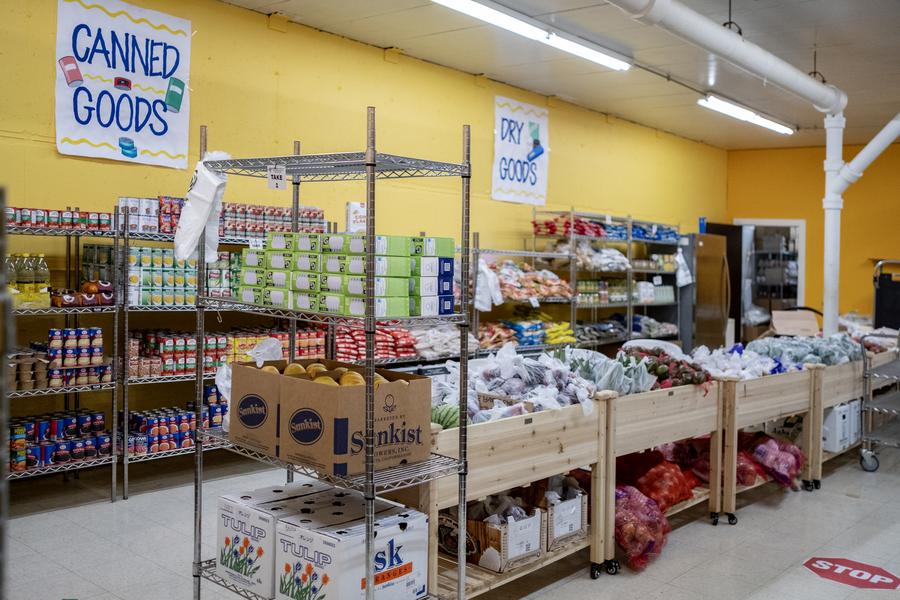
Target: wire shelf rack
[393,478]
[133,458]
[523,253]
[178,308]
[50,231]
[168,379]
[73,389]
[64,310]
[170,237]
[61,468]
[342,166]
[219,304]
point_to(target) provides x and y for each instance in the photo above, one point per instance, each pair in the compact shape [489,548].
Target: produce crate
[772,397]
[842,383]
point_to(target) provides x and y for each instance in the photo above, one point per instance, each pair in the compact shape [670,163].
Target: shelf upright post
[295,227]
[476,244]
[117,368]
[369,488]
[629,282]
[7,340]
[573,280]
[198,399]
[125,357]
[463,366]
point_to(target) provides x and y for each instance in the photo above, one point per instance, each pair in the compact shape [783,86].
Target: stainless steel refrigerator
[712,289]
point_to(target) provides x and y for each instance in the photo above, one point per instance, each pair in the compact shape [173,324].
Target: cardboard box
[331,558]
[355,243]
[311,263]
[355,285]
[254,407]
[431,266]
[322,426]
[567,521]
[438,246]
[500,548]
[305,282]
[308,242]
[430,306]
[250,294]
[385,266]
[253,258]
[331,303]
[794,322]
[306,302]
[278,298]
[276,240]
[431,286]
[385,307]
[253,276]
[252,516]
[279,259]
[278,278]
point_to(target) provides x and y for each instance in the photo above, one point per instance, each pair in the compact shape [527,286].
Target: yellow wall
[259,89]
[789,184]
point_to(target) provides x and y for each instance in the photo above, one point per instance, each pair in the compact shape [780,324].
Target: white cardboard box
[566,520]
[855,417]
[245,527]
[836,429]
[323,553]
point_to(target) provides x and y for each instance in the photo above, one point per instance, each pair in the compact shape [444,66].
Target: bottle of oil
[25,277]
[41,282]
[12,279]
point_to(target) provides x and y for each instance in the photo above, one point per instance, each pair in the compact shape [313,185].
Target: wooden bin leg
[715,465]
[607,517]
[816,417]
[730,442]
[428,505]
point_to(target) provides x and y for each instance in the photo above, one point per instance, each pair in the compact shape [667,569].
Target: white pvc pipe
[853,170]
[701,31]
[832,203]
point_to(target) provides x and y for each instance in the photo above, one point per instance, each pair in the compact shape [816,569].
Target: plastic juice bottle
[11,279]
[41,282]
[25,277]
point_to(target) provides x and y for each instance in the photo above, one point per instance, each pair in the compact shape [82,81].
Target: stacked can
[163,429]
[223,275]
[157,278]
[56,219]
[169,213]
[57,438]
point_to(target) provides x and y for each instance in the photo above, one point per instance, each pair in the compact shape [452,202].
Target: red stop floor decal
[852,573]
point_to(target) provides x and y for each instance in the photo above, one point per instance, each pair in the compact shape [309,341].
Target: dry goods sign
[852,573]
[122,82]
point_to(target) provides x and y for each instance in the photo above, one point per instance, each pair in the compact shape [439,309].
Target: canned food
[70,426]
[57,428]
[17,460]
[42,430]
[104,445]
[55,337]
[84,424]
[76,449]
[17,437]
[62,451]
[81,376]
[48,449]
[156,260]
[90,448]
[152,444]
[67,219]
[96,356]
[84,356]
[53,219]
[105,220]
[29,426]
[32,455]
[98,422]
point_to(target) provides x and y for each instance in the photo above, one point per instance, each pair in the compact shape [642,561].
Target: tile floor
[68,542]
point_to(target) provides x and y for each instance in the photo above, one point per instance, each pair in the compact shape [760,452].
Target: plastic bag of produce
[780,459]
[666,484]
[746,469]
[641,527]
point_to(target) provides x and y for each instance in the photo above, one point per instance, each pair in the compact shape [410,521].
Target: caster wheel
[808,485]
[596,570]
[869,462]
[612,567]
[732,519]
[817,483]
[714,518]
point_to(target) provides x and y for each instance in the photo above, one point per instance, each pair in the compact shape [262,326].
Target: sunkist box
[245,532]
[322,426]
[324,553]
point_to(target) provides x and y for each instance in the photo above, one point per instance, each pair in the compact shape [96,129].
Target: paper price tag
[609,219]
[534,302]
[653,230]
[277,176]
[657,280]
[257,243]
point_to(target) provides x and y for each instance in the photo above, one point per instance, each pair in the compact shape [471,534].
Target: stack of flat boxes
[326,273]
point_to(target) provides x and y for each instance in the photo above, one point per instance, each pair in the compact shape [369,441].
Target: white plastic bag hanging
[683,275]
[201,210]
[268,349]
[488,289]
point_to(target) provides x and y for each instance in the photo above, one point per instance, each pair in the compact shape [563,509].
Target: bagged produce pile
[650,327]
[521,282]
[495,335]
[528,333]
[641,527]
[662,481]
[794,352]
[780,459]
[589,258]
[669,371]
[654,232]
[878,344]
[693,454]
[564,226]
[624,374]
[734,362]
[543,383]
[437,342]
[600,331]
[394,342]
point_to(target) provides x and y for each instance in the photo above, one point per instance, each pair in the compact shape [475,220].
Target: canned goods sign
[136,109]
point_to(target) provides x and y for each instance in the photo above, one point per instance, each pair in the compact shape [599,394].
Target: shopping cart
[884,406]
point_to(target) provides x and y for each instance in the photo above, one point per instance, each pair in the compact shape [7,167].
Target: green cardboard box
[250,277]
[385,266]
[311,263]
[334,263]
[253,258]
[250,294]
[306,302]
[308,242]
[279,278]
[277,240]
[438,246]
[302,281]
[332,283]
[331,303]
[355,285]
[279,259]
[397,306]
[355,243]
[278,298]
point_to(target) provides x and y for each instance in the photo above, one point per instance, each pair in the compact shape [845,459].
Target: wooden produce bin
[643,421]
[513,452]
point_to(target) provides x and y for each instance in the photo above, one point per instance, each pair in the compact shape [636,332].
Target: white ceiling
[858,45]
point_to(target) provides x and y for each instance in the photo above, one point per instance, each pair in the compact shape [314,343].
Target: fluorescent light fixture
[743,114]
[507,19]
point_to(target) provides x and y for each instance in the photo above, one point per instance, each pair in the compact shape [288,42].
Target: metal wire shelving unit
[368,166]
[885,405]
[630,275]
[71,315]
